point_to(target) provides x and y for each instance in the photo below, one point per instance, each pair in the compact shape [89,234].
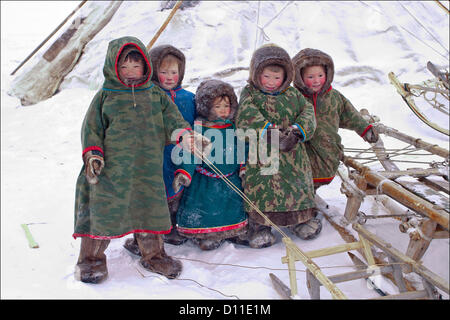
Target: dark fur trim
[312,57]
[207,91]
[270,55]
[158,53]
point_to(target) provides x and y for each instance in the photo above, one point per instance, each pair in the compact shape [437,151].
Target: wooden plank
[400,194]
[425,192]
[405,296]
[282,289]
[330,250]
[431,277]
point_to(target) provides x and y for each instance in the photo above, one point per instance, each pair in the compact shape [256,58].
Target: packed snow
[41,148]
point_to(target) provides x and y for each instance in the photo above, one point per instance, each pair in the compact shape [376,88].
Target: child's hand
[94,165]
[202,145]
[371,135]
[180,180]
[289,138]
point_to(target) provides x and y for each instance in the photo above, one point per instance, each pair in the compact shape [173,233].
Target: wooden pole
[164,25]
[49,36]
[442,6]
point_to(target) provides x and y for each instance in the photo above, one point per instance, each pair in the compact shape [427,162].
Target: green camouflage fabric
[130,127]
[333,111]
[291,187]
[325,150]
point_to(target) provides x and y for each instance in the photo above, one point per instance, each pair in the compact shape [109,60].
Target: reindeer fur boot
[91,265]
[154,258]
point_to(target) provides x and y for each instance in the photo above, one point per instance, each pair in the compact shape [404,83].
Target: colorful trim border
[76,235]
[302,131]
[323,180]
[217,126]
[365,130]
[91,148]
[182,171]
[214,229]
[205,172]
[264,129]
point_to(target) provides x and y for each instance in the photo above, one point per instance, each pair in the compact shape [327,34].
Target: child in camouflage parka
[120,188]
[314,71]
[269,105]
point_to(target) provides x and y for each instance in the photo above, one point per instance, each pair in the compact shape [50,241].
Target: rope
[412,34]
[238,191]
[420,23]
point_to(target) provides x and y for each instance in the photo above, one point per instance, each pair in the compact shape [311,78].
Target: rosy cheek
[322,80]
[278,82]
[309,83]
[175,79]
[161,78]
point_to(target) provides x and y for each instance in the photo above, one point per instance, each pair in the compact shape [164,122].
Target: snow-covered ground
[41,150]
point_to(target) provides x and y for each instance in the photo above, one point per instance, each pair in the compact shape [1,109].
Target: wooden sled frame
[315,278]
[434,224]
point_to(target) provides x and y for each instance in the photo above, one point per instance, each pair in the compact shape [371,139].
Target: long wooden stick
[49,36]
[164,25]
[442,6]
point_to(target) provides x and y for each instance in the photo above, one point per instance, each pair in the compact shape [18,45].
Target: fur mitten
[289,138]
[94,164]
[202,144]
[180,180]
[371,135]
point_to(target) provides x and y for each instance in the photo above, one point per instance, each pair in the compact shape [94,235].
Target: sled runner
[434,92]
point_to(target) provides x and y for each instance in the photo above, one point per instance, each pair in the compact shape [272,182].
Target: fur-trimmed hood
[158,53]
[267,55]
[312,57]
[110,68]
[207,91]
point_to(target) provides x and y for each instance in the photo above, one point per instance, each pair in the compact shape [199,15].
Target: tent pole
[51,35]
[164,25]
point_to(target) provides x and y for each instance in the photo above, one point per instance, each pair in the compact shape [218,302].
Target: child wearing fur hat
[120,187]
[314,71]
[269,105]
[210,211]
[169,66]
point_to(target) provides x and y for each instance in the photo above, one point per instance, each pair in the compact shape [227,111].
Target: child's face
[314,77]
[221,108]
[168,75]
[271,80]
[131,70]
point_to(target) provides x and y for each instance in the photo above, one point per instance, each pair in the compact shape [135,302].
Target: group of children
[129,183]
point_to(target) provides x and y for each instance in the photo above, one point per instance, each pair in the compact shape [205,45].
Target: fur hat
[208,90]
[158,53]
[270,54]
[312,57]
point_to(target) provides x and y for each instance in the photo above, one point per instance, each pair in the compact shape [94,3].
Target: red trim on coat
[216,126]
[365,130]
[215,229]
[149,66]
[314,97]
[323,180]
[183,172]
[93,148]
[75,235]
